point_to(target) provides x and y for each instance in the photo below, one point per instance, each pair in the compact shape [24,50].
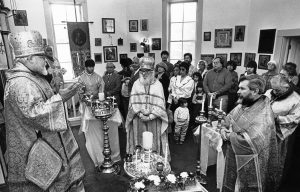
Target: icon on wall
[110,54]
[133,26]
[207,36]
[108,25]
[239,33]
[237,58]
[20,17]
[156,43]
[144,24]
[133,47]
[249,57]
[223,38]
[120,42]
[98,42]
[98,57]
[263,61]
[223,56]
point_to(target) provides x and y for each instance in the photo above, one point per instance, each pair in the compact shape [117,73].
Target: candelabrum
[220,115]
[103,110]
[201,119]
[210,115]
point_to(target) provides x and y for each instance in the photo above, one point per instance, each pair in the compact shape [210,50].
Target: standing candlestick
[210,116]
[210,101]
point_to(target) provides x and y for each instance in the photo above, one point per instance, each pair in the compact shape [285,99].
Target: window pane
[176,31]
[58,13]
[69,67]
[189,47]
[190,10]
[173,61]
[176,50]
[63,52]
[176,12]
[61,34]
[189,31]
[71,13]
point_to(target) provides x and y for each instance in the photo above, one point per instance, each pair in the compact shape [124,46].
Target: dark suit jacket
[112,85]
[165,81]
[133,78]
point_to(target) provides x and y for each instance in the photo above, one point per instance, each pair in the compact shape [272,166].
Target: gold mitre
[147,63]
[26,43]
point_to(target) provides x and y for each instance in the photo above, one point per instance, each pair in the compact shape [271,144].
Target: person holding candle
[147,110]
[217,83]
[181,119]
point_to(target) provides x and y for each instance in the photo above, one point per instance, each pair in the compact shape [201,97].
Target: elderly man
[188,58]
[134,67]
[31,111]
[285,103]
[217,83]
[252,156]
[112,82]
[147,110]
[272,71]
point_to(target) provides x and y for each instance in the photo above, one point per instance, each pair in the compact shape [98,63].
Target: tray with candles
[136,167]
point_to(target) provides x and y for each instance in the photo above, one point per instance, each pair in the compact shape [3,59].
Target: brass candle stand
[103,110]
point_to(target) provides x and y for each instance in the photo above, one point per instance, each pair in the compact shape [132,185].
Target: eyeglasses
[146,70]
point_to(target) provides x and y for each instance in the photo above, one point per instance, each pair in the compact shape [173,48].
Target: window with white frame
[60,14]
[182,36]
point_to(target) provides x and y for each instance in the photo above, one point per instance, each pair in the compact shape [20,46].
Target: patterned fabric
[94,83]
[154,103]
[181,88]
[29,106]
[252,157]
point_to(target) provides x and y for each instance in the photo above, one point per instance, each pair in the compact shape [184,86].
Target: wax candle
[210,102]
[101,96]
[147,140]
[166,154]
[203,101]
[221,104]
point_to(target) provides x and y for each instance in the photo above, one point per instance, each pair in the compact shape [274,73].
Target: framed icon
[207,36]
[108,25]
[110,53]
[133,47]
[98,42]
[208,58]
[133,26]
[263,61]
[156,43]
[237,58]
[223,38]
[98,57]
[20,17]
[223,56]
[239,33]
[123,56]
[249,57]
[144,24]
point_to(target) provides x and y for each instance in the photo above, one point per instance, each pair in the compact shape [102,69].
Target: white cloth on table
[211,151]
[93,130]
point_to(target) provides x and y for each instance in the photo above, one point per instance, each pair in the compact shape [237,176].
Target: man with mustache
[147,110]
[251,156]
[32,110]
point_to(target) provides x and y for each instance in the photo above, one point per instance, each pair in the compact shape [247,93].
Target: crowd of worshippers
[263,112]
[259,128]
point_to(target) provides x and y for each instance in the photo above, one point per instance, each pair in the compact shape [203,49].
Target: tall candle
[210,102]
[221,104]
[101,96]
[166,155]
[147,140]
[203,101]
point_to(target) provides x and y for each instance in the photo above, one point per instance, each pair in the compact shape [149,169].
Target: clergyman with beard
[147,111]
[252,156]
[32,110]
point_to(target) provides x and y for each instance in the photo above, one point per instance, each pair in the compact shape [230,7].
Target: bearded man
[252,157]
[147,110]
[31,111]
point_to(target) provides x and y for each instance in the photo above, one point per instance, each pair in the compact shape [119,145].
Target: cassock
[30,105]
[252,156]
[153,101]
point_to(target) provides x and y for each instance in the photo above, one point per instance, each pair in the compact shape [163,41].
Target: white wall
[123,11]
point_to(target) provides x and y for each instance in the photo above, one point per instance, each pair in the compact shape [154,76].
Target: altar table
[211,151]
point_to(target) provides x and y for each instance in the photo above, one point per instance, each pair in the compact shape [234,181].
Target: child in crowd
[197,100]
[181,119]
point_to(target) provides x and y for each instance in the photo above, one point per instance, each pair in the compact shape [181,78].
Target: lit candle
[166,154]
[203,100]
[221,104]
[147,140]
[210,102]
[101,96]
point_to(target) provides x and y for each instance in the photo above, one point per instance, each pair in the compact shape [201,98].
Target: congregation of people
[262,113]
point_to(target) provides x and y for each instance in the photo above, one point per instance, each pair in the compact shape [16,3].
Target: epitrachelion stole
[79,39]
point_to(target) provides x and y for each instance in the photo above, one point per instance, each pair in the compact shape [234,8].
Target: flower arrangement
[170,182]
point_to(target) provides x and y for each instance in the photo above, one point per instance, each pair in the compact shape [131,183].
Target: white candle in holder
[101,96]
[221,104]
[203,101]
[147,140]
[210,102]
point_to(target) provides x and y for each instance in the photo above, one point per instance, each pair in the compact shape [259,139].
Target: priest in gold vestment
[252,156]
[147,111]
[31,107]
